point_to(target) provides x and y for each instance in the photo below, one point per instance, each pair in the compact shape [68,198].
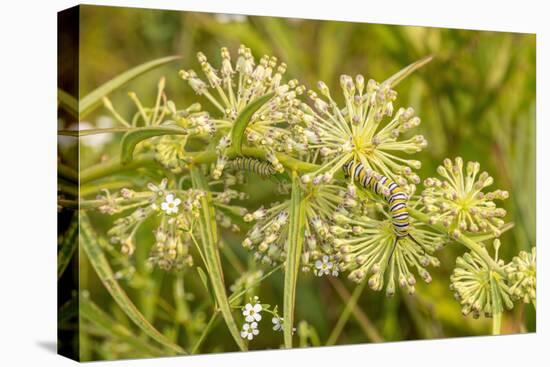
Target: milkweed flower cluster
[177,212]
[459,202]
[479,289]
[522,272]
[267,238]
[369,248]
[234,87]
[364,130]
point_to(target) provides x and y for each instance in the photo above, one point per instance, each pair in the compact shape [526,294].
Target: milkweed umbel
[263,169]
[392,193]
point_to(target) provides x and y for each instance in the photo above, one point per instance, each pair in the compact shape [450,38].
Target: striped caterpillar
[392,193]
[263,169]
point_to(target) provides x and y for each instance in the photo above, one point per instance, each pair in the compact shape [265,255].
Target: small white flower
[250,330]
[324,267]
[252,313]
[277,323]
[170,206]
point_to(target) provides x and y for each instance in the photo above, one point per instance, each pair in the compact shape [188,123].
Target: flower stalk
[292,266]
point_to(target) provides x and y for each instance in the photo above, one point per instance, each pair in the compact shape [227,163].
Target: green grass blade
[242,121]
[132,138]
[406,71]
[93,99]
[67,102]
[103,269]
[67,246]
[209,239]
[91,312]
[292,266]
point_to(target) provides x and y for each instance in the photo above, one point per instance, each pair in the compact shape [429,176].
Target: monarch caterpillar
[392,193]
[263,169]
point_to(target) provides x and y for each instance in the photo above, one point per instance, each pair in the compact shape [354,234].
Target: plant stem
[115,166]
[466,241]
[366,324]
[497,321]
[206,331]
[292,266]
[344,316]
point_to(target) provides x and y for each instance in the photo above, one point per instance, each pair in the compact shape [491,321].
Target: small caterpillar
[263,169]
[392,193]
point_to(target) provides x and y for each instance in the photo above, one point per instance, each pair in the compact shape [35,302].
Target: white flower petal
[257,307]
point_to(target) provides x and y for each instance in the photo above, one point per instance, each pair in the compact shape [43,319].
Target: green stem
[115,166]
[497,320]
[344,316]
[364,321]
[466,241]
[292,266]
[205,332]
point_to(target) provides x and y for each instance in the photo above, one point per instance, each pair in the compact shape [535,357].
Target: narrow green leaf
[91,312]
[243,120]
[132,138]
[105,273]
[93,99]
[406,71]
[87,132]
[292,265]
[209,239]
[67,102]
[67,246]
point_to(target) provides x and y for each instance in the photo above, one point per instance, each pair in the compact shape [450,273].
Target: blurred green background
[476,99]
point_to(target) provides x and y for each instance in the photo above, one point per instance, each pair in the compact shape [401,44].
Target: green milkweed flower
[369,247]
[177,211]
[365,129]
[522,273]
[459,202]
[234,87]
[478,288]
[267,238]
